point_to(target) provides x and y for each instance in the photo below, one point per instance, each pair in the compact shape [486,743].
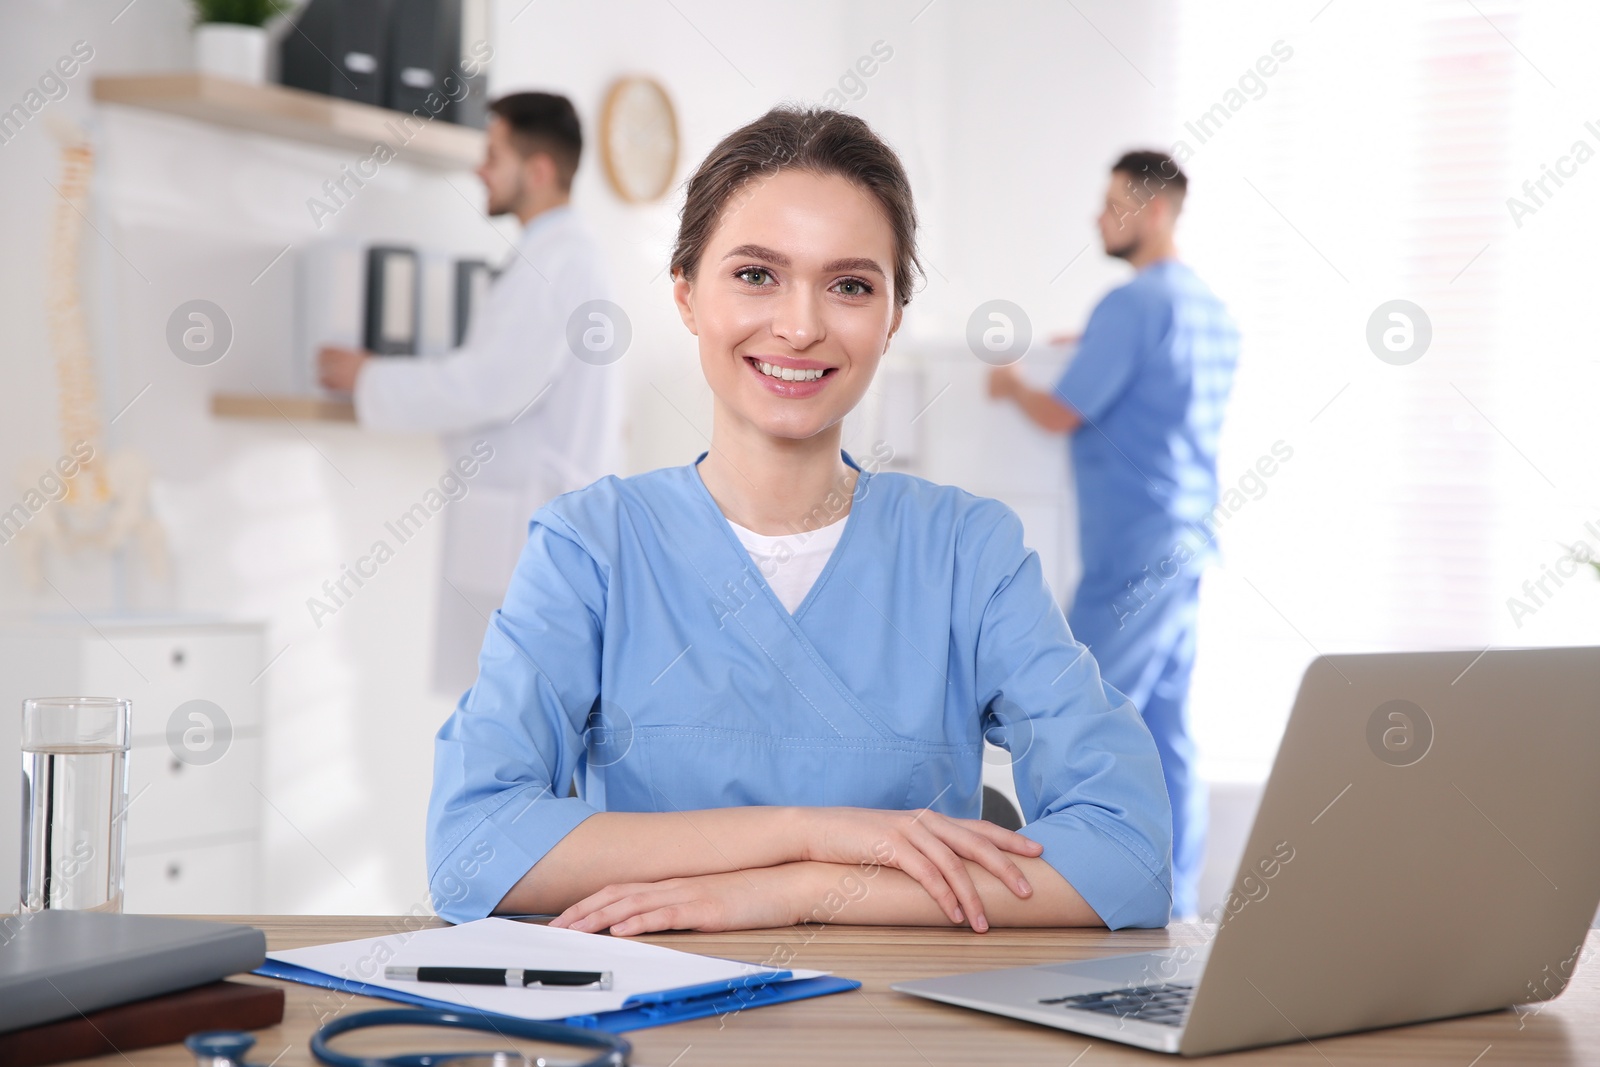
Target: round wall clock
[639,139]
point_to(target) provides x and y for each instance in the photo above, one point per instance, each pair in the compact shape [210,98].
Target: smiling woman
[732,768]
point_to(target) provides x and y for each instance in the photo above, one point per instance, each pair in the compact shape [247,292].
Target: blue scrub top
[1151,378]
[641,651]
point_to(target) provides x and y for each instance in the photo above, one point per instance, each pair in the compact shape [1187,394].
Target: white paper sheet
[636,967]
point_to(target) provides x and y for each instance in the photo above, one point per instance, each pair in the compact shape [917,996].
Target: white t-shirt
[791,562]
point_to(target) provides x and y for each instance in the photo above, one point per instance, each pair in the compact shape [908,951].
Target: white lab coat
[553,420]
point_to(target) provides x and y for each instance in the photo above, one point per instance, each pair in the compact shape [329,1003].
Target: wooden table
[879,1026]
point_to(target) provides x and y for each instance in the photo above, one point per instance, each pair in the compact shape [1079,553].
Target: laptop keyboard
[1167,1003]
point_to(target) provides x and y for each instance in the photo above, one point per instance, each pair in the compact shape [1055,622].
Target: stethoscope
[226,1048]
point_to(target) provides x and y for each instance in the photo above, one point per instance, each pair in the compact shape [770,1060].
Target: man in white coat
[532,377]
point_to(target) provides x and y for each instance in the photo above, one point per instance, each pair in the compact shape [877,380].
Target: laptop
[1424,848]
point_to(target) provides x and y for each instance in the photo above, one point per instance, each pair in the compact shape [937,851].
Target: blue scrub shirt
[641,651]
[1151,378]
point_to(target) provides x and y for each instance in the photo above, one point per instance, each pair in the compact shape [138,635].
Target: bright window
[1374,163]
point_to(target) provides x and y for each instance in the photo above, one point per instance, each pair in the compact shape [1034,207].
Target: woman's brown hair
[819,140]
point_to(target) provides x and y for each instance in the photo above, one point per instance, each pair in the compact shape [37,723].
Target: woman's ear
[894,325]
[683,296]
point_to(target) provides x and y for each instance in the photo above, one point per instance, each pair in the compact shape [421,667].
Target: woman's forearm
[619,846]
[870,895]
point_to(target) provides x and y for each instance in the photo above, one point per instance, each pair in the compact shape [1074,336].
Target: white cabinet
[192,880]
[171,799]
[194,812]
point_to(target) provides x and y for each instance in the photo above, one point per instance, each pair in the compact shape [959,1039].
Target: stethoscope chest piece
[219,1048]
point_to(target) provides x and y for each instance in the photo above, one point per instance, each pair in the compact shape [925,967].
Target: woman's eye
[754,275]
[854,287]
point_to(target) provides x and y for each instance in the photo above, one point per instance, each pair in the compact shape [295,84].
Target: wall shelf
[262,406]
[297,115]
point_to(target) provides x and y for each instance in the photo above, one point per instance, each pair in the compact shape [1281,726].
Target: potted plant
[229,38]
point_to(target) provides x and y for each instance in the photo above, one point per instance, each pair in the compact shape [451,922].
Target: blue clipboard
[638,1012]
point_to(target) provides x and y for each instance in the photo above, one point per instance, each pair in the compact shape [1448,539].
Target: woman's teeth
[789,374]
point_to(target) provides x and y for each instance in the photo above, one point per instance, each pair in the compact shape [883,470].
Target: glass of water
[75,793]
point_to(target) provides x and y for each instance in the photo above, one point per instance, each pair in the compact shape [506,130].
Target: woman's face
[793,301]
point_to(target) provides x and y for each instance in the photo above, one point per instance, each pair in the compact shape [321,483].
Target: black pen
[511,976]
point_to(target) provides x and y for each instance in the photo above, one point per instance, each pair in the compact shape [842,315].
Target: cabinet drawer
[160,670]
[217,879]
[170,800]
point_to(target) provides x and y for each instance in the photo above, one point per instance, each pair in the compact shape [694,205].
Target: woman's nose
[799,318]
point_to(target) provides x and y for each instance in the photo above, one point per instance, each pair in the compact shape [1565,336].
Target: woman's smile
[794,379]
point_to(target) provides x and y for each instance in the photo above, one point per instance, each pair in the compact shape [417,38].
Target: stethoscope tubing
[614,1050]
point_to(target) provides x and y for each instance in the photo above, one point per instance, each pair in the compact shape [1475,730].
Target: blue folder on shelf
[645,994]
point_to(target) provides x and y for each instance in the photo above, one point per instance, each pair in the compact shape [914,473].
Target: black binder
[427,56]
[339,48]
[472,287]
[394,298]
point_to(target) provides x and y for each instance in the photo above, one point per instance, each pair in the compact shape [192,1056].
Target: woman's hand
[925,845]
[759,898]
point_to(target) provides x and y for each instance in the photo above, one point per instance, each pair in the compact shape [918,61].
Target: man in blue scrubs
[1143,400]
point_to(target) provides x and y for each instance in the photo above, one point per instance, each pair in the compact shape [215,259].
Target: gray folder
[56,964]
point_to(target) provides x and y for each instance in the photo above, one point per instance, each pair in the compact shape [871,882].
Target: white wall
[1006,131]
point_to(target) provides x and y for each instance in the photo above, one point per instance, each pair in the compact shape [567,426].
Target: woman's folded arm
[934,852]
[864,894]
[612,847]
